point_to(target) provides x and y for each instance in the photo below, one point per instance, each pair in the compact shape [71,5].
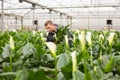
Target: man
[53,29]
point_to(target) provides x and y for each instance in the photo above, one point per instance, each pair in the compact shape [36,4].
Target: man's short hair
[48,22]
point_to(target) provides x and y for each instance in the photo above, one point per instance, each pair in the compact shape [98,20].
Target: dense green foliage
[32,60]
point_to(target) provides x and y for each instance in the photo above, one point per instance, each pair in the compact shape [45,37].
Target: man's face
[50,27]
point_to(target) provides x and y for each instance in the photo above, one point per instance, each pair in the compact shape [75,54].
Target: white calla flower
[88,38]
[77,31]
[74,61]
[82,39]
[33,33]
[52,48]
[74,38]
[47,33]
[101,37]
[14,30]
[111,37]
[41,35]
[66,40]
[12,43]
[95,69]
[20,28]
[6,26]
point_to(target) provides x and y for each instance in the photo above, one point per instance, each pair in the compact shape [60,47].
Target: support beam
[61,18]
[22,22]
[45,7]
[2,15]
[81,17]
[10,14]
[69,7]
[87,6]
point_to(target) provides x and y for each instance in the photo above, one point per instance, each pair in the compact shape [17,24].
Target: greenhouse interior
[59,40]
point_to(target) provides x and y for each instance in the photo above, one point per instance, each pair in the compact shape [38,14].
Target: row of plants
[92,55]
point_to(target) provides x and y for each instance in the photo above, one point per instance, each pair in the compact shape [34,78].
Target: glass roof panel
[70,7]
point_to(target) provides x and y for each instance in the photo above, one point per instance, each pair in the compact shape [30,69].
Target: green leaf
[106,76]
[62,61]
[117,78]
[34,74]
[38,75]
[67,71]
[6,51]
[45,58]
[105,59]
[22,75]
[47,69]
[108,66]
[28,49]
[96,75]
[60,76]
[78,75]
[116,59]
[87,71]
[8,74]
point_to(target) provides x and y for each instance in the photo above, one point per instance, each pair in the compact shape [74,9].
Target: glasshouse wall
[94,24]
[11,22]
[29,23]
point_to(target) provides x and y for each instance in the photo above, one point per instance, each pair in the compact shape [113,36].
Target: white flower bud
[33,33]
[12,43]
[88,38]
[74,61]
[41,35]
[82,39]
[101,37]
[111,37]
[66,40]
[52,48]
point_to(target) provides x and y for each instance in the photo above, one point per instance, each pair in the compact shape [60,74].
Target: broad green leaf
[109,65]
[8,74]
[105,59]
[45,58]
[78,75]
[115,78]
[116,59]
[28,49]
[22,75]
[60,76]
[96,75]
[106,76]
[62,61]
[87,71]
[37,74]
[47,69]
[6,51]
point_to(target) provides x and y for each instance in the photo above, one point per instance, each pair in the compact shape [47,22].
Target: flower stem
[11,52]
[55,68]
[91,56]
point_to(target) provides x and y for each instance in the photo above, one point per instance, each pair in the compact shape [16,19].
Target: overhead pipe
[67,20]
[61,18]
[33,8]
[43,7]
[2,15]
[71,21]
[10,14]
[50,14]
[87,6]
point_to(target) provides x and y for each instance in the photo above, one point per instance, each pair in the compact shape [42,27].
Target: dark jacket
[51,35]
